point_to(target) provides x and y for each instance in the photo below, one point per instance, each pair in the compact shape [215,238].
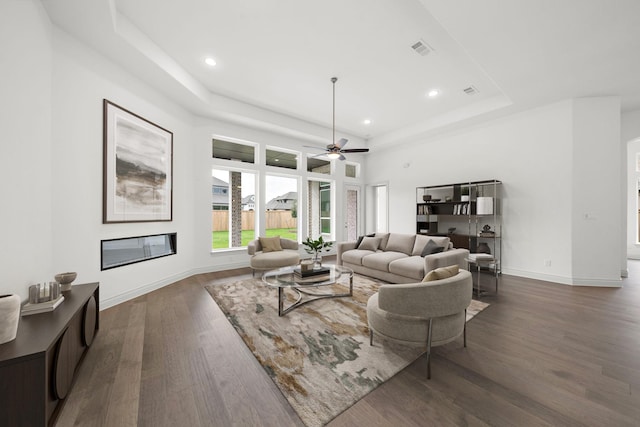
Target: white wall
[81,80]
[597,196]
[25,150]
[532,154]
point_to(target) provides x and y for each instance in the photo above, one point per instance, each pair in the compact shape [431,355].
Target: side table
[479,262]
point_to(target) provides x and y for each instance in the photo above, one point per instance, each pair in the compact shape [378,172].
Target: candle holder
[43,292]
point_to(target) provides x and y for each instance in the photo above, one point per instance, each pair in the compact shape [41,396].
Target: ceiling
[275,58]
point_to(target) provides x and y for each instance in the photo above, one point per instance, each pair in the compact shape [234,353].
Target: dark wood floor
[541,354]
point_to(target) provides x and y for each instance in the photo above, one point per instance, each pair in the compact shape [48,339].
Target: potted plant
[315,246]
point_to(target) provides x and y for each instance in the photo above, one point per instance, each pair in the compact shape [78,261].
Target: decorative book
[311,279]
[309,273]
[42,307]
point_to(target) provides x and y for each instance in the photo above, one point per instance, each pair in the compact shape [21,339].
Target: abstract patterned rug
[318,354]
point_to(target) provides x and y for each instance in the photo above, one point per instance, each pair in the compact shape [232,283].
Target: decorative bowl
[65,280]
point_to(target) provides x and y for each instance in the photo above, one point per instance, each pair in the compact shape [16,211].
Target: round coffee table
[285,277]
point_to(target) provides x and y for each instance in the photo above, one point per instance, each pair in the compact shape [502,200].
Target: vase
[317,261]
[65,280]
[9,317]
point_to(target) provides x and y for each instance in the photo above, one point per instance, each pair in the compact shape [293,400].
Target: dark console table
[37,369]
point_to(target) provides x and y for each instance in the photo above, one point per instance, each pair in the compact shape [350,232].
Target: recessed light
[433,93]
[367,121]
[210,61]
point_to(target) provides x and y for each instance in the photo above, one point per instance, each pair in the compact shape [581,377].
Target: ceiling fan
[336,149]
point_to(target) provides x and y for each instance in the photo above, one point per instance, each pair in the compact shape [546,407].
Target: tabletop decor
[315,247]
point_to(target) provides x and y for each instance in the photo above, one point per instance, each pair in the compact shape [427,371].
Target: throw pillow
[370,244]
[270,244]
[441,273]
[431,248]
[362,237]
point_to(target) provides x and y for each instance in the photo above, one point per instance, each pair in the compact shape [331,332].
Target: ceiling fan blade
[317,156]
[355,150]
[342,157]
[341,143]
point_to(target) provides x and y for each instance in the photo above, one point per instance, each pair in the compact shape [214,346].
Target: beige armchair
[426,313]
[268,253]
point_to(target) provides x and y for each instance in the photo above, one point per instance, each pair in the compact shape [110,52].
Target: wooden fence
[274,219]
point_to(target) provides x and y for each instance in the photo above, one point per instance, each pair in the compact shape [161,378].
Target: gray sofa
[398,258]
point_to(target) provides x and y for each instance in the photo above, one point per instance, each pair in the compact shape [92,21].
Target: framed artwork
[137,169]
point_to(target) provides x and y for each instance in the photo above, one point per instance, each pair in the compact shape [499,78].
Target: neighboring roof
[285,202]
[218,182]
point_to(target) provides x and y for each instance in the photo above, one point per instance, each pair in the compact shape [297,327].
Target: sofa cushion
[401,243]
[412,266]
[383,242]
[381,260]
[441,273]
[431,248]
[422,240]
[270,244]
[369,244]
[355,256]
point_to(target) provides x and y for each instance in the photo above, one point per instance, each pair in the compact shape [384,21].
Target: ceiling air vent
[471,90]
[421,48]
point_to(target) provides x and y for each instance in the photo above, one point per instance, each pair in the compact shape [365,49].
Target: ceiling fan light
[333,155]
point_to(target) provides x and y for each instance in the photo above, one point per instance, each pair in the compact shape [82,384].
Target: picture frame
[137,168]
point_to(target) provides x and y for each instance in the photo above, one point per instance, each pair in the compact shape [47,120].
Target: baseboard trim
[600,283]
[537,276]
[150,287]
[145,289]
[571,281]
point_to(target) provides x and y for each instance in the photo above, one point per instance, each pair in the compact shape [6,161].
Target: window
[281,159]
[380,195]
[264,190]
[232,215]
[233,151]
[318,166]
[281,216]
[320,209]
[351,170]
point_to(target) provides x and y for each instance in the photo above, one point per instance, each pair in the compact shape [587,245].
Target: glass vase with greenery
[315,246]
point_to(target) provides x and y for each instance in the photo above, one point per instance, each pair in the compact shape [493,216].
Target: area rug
[318,354]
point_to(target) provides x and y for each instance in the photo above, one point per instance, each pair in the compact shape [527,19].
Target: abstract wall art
[138,168]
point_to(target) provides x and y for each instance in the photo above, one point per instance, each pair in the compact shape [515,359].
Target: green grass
[220,239]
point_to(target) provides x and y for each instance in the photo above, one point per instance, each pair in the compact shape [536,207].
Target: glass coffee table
[284,278]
